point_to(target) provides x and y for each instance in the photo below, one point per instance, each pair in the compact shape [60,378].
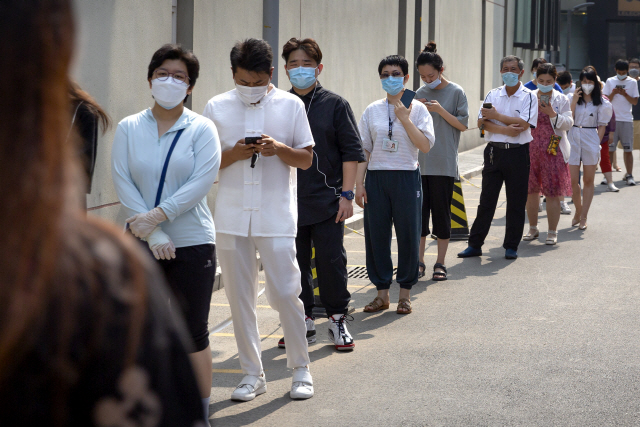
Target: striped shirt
[522,104]
[374,127]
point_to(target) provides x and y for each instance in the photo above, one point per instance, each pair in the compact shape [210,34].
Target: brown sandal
[376,305]
[405,305]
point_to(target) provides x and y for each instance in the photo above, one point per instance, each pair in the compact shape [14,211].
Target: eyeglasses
[179,77]
[394,74]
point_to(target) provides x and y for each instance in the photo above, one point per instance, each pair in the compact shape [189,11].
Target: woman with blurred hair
[164,161]
[549,154]
[86,335]
[392,135]
[447,103]
[591,113]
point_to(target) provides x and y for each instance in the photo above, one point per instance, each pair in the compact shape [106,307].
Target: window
[537,24]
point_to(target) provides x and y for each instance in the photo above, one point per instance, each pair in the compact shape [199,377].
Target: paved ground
[549,339]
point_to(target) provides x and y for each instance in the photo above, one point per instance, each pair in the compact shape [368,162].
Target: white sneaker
[604,181]
[250,387]
[565,209]
[339,334]
[630,180]
[301,384]
[612,188]
[311,332]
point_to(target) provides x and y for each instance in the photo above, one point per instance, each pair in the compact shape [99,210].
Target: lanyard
[390,121]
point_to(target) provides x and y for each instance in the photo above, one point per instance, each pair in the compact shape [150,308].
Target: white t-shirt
[522,104]
[621,106]
[374,127]
[260,201]
[137,159]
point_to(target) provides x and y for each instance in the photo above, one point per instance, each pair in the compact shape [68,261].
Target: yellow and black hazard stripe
[459,223]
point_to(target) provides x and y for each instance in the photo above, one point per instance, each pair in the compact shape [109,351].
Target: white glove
[143,224]
[161,245]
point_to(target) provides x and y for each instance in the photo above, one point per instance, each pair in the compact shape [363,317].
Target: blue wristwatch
[347,195]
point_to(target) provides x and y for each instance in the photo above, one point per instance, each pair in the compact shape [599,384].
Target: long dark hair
[77,95]
[45,261]
[596,96]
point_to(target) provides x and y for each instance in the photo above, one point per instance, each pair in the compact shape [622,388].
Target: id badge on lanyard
[389,144]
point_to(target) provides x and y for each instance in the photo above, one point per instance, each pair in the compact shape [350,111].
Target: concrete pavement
[549,339]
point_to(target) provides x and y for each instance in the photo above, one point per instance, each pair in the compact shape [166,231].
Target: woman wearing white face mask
[447,103]
[549,173]
[164,161]
[591,113]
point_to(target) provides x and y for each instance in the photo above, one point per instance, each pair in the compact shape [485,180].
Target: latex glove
[161,245]
[143,224]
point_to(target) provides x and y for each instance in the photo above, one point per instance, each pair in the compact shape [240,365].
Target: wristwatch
[347,195]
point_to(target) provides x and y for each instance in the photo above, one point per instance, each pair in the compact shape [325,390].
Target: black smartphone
[619,86]
[252,140]
[407,97]
[545,99]
[487,105]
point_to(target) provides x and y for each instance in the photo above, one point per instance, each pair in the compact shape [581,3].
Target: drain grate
[360,272]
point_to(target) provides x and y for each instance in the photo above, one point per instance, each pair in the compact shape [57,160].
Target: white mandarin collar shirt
[522,104]
[260,201]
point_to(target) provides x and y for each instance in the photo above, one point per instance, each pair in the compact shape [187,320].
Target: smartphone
[407,97]
[545,99]
[619,86]
[252,140]
[487,105]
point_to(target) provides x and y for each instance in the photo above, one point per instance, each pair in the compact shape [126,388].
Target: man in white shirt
[265,136]
[622,91]
[508,123]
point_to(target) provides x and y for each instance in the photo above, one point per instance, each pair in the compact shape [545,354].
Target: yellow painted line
[314,273]
[227,305]
[224,334]
[227,371]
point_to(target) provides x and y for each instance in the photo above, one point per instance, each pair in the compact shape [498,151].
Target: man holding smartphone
[325,190]
[622,91]
[256,209]
[508,114]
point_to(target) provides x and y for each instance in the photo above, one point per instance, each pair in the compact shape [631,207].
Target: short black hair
[564,78]
[394,60]
[635,61]
[537,62]
[253,55]
[622,65]
[176,51]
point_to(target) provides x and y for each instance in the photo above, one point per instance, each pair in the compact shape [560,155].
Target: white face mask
[252,95]
[169,93]
[587,88]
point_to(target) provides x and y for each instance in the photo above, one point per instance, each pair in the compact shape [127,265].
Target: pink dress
[548,174]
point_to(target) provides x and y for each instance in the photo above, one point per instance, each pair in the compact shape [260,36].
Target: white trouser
[239,267]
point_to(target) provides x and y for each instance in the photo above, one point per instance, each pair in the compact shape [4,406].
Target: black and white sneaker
[311,332]
[630,180]
[339,334]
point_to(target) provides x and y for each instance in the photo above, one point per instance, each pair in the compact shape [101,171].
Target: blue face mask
[567,90]
[534,75]
[545,89]
[302,77]
[434,84]
[510,79]
[621,76]
[393,85]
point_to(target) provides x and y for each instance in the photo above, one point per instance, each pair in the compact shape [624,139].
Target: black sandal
[439,276]
[423,272]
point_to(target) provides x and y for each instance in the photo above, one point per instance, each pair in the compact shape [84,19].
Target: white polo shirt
[621,106]
[260,201]
[522,104]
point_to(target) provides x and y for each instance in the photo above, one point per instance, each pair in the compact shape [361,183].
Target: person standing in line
[565,80]
[605,161]
[392,135]
[164,161]
[533,83]
[265,137]
[548,173]
[323,206]
[447,103]
[87,116]
[634,73]
[622,90]
[508,124]
[87,335]
[591,113]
